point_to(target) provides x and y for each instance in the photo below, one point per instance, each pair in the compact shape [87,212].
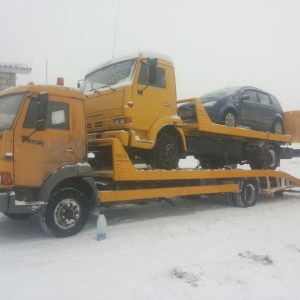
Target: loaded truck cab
[134,99]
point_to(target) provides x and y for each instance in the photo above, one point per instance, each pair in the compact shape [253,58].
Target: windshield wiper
[101,87]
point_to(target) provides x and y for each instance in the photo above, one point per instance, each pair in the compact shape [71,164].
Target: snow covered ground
[197,249]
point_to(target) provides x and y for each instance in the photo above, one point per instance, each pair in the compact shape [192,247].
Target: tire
[278,127]
[271,160]
[247,196]
[66,213]
[165,154]
[229,119]
[17,216]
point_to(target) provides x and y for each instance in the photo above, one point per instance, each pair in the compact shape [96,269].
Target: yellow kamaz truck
[44,169]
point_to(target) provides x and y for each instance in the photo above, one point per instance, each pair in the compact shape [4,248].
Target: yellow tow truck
[44,167]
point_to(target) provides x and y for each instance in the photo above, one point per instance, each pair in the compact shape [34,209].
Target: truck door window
[57,115]
[160,78]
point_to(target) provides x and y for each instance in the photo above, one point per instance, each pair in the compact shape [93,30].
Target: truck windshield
[119,73]
[9,106]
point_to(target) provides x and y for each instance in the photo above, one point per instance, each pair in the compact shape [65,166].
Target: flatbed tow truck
[44,169]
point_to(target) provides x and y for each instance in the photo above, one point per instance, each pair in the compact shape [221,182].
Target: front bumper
[9,204]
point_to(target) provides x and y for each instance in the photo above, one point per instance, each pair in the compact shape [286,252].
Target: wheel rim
[249,193]
[271,158]
[229,119]
[278,128]
[169,153]
[67,213]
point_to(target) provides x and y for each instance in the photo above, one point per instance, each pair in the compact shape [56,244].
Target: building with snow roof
[8,73]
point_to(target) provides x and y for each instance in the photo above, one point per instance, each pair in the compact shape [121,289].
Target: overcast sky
[213,43]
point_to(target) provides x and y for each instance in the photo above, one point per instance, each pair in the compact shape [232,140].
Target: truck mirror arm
[140,92]
[26,138]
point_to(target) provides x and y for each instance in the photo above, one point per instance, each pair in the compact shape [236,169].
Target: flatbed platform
[205,125]
[130,183]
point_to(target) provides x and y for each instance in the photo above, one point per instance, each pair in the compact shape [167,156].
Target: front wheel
[66,213]
[229,119]
[165,154]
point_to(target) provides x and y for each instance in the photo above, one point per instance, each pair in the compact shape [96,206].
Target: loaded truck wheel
[271,160]
[66,213]
[247,196]
[165,154]
[17,216]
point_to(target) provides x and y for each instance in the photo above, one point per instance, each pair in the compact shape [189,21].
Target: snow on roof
[141,54]
[14,68]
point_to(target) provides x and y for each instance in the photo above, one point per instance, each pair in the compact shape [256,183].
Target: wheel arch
[71,176]
[232,108]
[179,134]
[278,117]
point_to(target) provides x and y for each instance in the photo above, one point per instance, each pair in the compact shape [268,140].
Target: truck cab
[134,99]
[43,157]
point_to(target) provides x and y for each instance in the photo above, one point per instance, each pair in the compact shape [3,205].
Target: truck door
[250,110]
[39,153]
[153,99]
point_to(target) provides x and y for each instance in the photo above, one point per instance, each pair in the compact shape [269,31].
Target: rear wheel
[65,214]
[247,196]
[229,119]
[278,127]
[165,154]
[271,160]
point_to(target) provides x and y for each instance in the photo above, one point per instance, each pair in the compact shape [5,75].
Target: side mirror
[152,62]
[42,108]
[245,97]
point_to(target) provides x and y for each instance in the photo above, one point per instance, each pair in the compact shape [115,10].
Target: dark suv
[239,106]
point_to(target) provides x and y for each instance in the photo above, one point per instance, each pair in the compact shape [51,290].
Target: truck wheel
[229,119]
[165,154]
[271,160]
[248,193]
[17,216]
[66,213]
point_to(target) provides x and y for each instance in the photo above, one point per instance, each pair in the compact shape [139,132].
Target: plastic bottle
[101,228]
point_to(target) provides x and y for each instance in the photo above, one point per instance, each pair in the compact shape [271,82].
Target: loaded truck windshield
[9,106]
[119,73]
